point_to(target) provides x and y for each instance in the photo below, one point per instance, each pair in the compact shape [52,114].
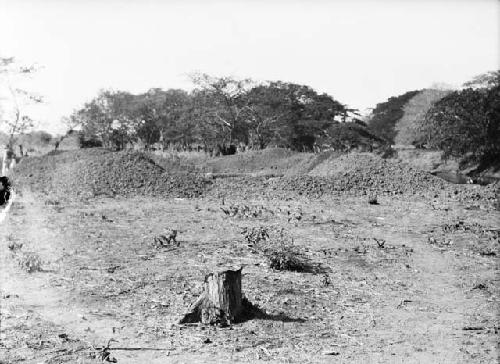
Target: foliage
[285,114]
[413,112]
[255,235]
[278,248]
[219,112]
[348,136]
[109,117]
[30,262]
[12,107]
[386,114]
[489,79]
[466,123]
[223,100]
[287,257]
[35,139]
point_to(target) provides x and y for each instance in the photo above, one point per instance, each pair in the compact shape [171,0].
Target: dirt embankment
[94,172]
[272,161]
[269,173]
[357,174]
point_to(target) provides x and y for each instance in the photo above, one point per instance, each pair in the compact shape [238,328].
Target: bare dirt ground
[404,281]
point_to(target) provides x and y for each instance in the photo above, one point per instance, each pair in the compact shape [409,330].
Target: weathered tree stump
[221,301]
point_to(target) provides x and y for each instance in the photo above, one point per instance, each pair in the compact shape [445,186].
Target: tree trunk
[221,301]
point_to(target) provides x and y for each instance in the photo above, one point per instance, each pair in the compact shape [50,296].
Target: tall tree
[466,124]
[485,80]
[109,117]
[223,101]
[13,105]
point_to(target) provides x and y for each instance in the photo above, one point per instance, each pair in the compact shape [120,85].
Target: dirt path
[36,292]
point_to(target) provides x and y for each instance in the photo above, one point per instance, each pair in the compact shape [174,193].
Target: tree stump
[221,301]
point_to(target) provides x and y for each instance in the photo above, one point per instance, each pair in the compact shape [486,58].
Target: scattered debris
[244,211]
[488,253]
[473,328]
[105,218]
[480,286]
[104,353]
[14,246]
[380,243]
[325,280]
[403,303]
[52,202]
[334,353]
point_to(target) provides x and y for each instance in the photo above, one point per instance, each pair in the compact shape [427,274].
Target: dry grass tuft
[30,262]
[287,257]
[255,235]
[278,248]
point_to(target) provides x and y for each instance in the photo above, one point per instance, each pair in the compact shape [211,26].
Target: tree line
[14,100]
[220,112]
[223,112]
[462,123]
[466,123]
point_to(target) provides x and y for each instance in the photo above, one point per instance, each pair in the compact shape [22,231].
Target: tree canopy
[14,100]
[220,111]
[466,124]
[485,80]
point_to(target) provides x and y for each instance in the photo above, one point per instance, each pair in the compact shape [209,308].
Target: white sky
[360,52]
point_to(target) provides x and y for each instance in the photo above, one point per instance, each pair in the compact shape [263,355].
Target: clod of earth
[166,239]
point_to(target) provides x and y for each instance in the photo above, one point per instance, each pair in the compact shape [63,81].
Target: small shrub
[373,200]
[30,262]
[14,246]
[286,257]
[255,235]
[51,202]
[244,211]
[278,248]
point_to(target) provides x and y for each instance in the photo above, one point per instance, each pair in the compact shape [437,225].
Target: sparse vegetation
[285,256]
[254,236]
[15,246]
[278,248]
[30,262]
[307,244]
[14,116]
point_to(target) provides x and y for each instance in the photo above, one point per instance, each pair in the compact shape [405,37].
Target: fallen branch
[134,349]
